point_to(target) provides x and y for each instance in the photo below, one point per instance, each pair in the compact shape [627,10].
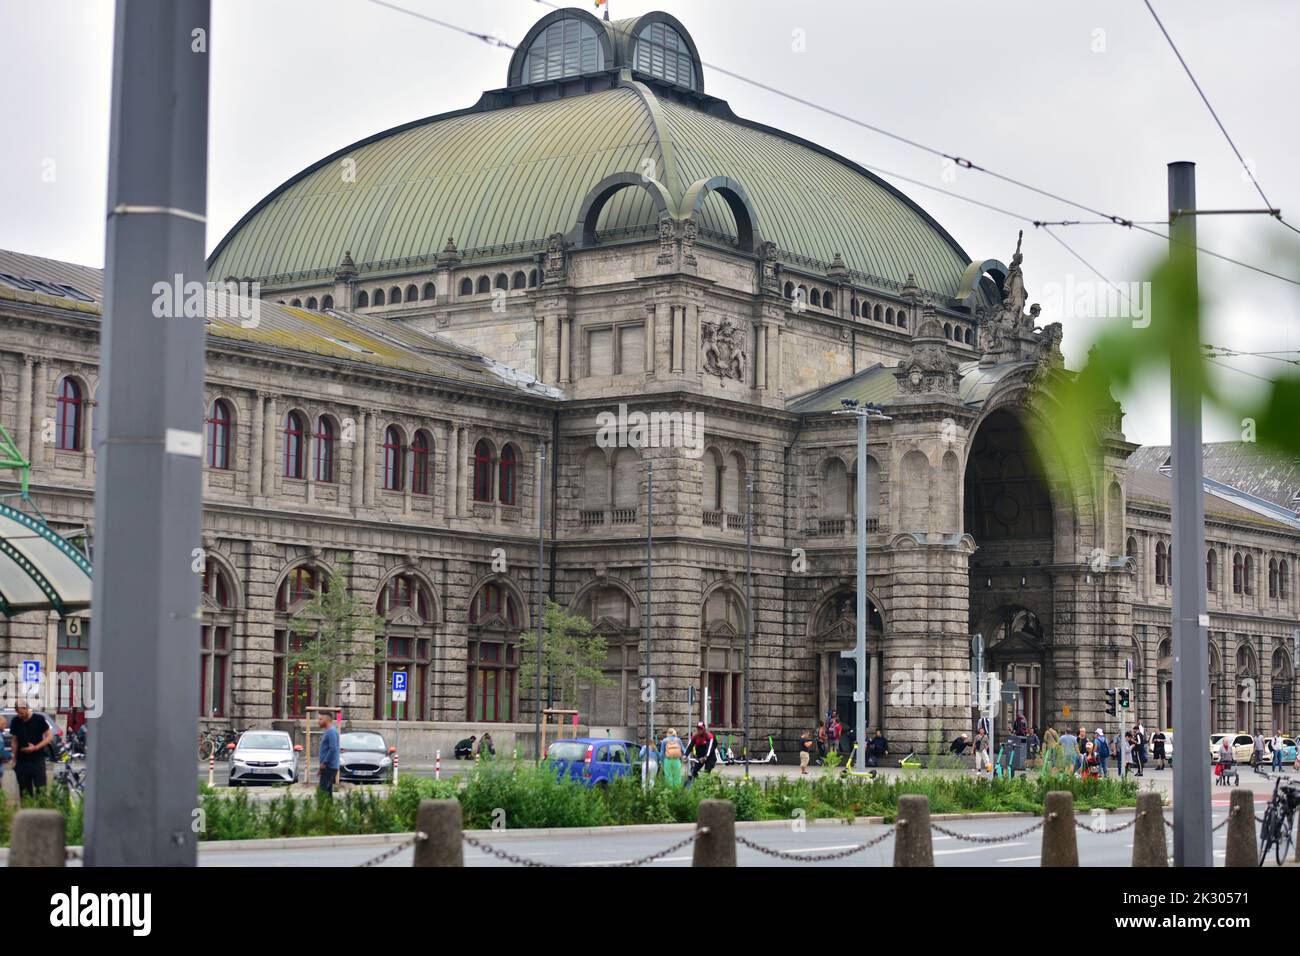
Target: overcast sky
[1081,98]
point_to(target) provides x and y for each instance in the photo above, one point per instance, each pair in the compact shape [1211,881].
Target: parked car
[264,756]
[1243,747]
[364,757]
[594,761]
[1288,750]
[55,745]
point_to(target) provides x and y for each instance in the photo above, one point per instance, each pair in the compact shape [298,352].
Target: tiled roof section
[877,384]
[1243,465]
[1153,488]
[52,274]
[337,335]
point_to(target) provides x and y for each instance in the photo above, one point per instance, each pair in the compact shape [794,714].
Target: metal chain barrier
[518,860]
[1005,838]
[393,851]
[815,857]
[1104,830]
[1214,829]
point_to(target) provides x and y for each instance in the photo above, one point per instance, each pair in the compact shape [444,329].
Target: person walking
[329,753]
[31,735]
[671,752]
[821,743]
[1277,750]
[1257,751]
[1139,747]
[1158,740]
[704,749]
[805,751]
[1069,745]
[1102,748]
[983,760]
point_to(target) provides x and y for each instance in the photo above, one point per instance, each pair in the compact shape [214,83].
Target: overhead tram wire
[958,160]
[1277,214]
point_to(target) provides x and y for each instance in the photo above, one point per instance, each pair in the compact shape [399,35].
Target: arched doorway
[1016,651]
[834,639]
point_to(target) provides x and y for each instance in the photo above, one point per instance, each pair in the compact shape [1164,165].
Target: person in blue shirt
[329,752]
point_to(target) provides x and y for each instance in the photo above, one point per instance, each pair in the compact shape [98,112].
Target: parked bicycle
[70,778]
[217,740]
[1279,817]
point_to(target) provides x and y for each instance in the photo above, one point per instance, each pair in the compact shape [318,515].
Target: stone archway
[833,638]
[1016,650]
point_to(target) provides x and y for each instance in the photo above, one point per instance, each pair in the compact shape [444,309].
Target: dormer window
[567,47]
[661,51]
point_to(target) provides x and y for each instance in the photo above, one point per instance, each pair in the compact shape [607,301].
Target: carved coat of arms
[724,349]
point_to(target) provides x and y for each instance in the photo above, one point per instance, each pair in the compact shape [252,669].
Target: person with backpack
[805,751]
[1102,746]
[671,753]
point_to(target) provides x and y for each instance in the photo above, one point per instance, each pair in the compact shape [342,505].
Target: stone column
[760,357]
[40,372]
[24,423]
[268,448]
[366,448]
[257,439]
[358,461]
[679,336]
[539,361]
[550,340]
[650,339]
[566,324]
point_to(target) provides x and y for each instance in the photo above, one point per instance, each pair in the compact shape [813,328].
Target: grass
[504,794]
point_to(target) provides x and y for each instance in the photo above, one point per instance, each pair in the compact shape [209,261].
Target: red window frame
[214,584]
[294,435]
[324,458]
[297,586]
[393,449]
[420,463]
[68,407]
[482,471]
[508,474]
[219,422]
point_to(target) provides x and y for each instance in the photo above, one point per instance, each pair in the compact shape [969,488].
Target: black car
[364,757]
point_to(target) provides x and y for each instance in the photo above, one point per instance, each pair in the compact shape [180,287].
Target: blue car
[593,761]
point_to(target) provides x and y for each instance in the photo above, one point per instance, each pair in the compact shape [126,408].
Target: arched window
[395,295]
[815,298]
[296,303]
[291,686]
[568,47]
[969,337]
[218,422]
[493,654]
[902,319]
[215,641]
[467,286]
[482,471]
[877,314]
[295,438]
[301,584]
[1211,566]
[1272,577]
[508,475]
[1236,574]
[532,278]
[518,280]
[889,316]
[326,441]
[502,281]
[420,463]
[1282,580]
[429,291]
[311,302]
[363,299]
[1162,569]
[379,297]
[484,285]
[828,301]
[406,607]
[662,52]
[1248,575]
[789,290]
[394,455]
[947,330]
[327,302]
[412,293]
[68,415]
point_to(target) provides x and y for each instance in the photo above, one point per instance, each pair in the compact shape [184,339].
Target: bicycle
[1276,831]
[217,740]
[71,779]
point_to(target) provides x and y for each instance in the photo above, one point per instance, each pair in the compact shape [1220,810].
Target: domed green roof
[510,172]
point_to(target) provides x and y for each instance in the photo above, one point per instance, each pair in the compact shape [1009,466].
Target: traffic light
[1123,698]
[1110,701]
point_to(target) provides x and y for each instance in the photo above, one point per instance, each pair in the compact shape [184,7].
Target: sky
[1085,100]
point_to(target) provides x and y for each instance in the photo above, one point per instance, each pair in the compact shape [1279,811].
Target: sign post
[399,697]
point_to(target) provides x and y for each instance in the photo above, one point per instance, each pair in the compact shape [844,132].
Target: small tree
[573,655]
[330,626]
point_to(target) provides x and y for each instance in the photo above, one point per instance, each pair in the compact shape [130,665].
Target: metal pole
[148,496]
[1192,843]
[649,591]
[541,598]
[749,600]
[860,647]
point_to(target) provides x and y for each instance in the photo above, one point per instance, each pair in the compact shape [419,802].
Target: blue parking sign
[31,672]
[399,686]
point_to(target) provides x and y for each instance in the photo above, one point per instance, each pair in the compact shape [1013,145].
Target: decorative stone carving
[1007,333]
[347,270]
[557,259]
[723,347]
[677,238]
[930,369]
[450,255]
[838,272]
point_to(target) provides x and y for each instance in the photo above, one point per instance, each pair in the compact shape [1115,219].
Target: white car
[264,756]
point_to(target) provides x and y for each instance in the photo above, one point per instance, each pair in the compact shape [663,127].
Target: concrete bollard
[717,847]
[913,845]
[37,839]
[1242,848]
[1060,843]
[440,821]
[1149,846]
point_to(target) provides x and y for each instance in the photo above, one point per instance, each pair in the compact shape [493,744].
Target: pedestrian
[485,747]
[671,752]
[983,762]
[1090,760]
[959,744]
[1139,747]
[1277,750]
[836,731]
[1158,741]
[329,753]
[1031,745]
[1102,748]
[1069,744]
[1020,725]
[1257,751]
[878,749]
[465,748]
[805,751]
[31,735]
[704,749]
[1128,752]
[822,740]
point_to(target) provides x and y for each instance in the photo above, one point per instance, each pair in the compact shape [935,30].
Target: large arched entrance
[833,639]
[1008,511]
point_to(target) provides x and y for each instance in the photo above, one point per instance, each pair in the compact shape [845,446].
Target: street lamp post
[862,412]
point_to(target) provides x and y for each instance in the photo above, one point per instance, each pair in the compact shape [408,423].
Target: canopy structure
[40,570]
